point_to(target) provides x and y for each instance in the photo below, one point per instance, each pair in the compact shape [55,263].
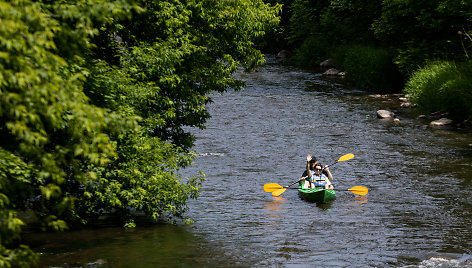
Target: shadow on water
[154,246]
[324,206]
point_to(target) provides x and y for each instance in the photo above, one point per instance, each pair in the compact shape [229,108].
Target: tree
[49,131]
[169,60]
[95,97]
[422,31]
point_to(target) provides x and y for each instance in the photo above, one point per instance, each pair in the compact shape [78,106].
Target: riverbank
[445,103]
[377,50]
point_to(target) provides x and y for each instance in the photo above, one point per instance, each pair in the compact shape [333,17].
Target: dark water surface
[418,212]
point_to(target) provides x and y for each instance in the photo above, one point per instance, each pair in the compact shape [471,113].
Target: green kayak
[317,195]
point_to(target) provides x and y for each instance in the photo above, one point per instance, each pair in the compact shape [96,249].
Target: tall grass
[443,86]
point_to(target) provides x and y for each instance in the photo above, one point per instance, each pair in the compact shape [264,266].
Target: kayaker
[312,162]
[316,177]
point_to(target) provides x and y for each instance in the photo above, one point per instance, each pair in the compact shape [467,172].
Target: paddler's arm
[330,176]
[308,159]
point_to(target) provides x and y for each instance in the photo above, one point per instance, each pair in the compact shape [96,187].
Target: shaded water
[419,206]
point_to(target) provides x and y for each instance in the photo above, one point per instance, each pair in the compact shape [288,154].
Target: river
[418,212]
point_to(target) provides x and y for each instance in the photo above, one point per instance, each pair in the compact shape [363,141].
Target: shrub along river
[418,210]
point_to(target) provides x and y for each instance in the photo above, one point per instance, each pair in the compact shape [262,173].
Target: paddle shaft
[291,185]
[333,163]
[317,187]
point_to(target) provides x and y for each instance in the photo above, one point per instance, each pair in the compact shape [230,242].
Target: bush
[372,68]
[443,86]
[312,51]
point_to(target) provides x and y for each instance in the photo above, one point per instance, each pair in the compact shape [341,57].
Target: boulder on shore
[331,72]
[283,54]
[329,63]
[441,122]
[385,114]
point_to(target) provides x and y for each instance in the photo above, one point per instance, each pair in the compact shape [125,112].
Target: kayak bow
[317,195]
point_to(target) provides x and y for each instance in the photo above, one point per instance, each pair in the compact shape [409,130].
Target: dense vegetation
[382,44]
[96,97]
[443,86]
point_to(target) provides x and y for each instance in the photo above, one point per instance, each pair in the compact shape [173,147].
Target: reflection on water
[274,205]
[361,200]
[274,208]
[156,246]
[324,206]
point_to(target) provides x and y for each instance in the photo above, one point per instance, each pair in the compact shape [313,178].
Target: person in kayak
[317,177]
[312,162]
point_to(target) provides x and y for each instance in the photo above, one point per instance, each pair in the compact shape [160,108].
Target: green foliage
[312,51]
[371,68]
[45,118]
[275,38]
[95,98]
[14,173]
[443,86]
[423,30]
[189,49]
[338,22]
[164,72]
[333,29]
[142,179]
[350,21]
[305,21]
[407,33]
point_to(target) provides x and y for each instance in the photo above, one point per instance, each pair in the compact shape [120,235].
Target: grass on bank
[443,86]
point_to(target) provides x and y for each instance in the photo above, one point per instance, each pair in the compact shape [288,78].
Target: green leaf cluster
[96,101]
[422,31]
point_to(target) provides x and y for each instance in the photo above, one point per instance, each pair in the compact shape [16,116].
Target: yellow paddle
[281,189]
[344,158]
[359,190]
[270,187]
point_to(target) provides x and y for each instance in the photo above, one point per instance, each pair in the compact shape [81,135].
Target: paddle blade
[278,192]
[359,190]
[270,187]
[346,157]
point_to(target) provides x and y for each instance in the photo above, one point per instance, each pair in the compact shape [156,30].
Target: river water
[418,212]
